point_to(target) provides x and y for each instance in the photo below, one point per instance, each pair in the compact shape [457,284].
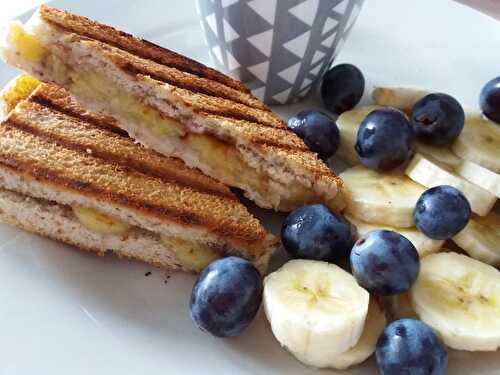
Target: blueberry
[410,347]
[384,140]
[226,297]
[441,212]
[342,88]
[318,130]
[489,100]
[384,262]
[315,232]
[437,119]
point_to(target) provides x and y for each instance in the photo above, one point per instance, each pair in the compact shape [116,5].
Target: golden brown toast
[97,62]
[49,140]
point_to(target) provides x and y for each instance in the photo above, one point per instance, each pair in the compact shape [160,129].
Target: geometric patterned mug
[278,48]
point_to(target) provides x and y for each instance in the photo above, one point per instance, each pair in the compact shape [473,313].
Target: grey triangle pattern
[279,49]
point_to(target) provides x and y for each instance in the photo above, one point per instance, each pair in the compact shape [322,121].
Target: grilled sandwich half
[74,176]
[175,106]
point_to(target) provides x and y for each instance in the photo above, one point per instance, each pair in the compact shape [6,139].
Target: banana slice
[381,198]
[480,176]
[479,142]
[441,154]
[472,172]
[422,243]
[365,347]
[99,222]
[460,298]
[403,98]
[481,238]
[348,124]
[429,173]
[316,310]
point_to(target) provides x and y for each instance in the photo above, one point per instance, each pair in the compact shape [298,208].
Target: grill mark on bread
[100,151]
[193,83]
[102,124]
[139,47]
[235,114]
[32,168]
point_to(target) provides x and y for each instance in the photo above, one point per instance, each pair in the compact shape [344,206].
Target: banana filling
[98,222]
[224,160]
[27,45]
[190,254]
[20,90]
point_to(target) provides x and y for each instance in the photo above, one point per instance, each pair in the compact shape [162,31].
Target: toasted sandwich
[74,176]
[175,106]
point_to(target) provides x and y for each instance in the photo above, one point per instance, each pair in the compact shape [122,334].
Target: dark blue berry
[342,88]
[384,140]
[384,262]
[318,130]
[441,212]
[437,119]
[489,100]
[410,347]
[226,297]
[315,232]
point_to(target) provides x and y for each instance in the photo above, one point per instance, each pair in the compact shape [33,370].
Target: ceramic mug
[278,48]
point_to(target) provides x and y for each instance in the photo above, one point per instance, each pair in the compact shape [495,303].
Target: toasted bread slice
[175,106]
[53,150]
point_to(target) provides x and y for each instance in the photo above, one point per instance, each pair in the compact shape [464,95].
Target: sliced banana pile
[471,164]
[318,312]
[312,304]
[459,297]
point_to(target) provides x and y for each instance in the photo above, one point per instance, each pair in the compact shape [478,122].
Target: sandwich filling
[191,255]
[222,160]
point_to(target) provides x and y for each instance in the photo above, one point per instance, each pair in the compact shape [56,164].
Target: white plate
[64,311]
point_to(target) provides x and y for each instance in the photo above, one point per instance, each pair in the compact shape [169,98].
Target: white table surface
[12,8]
[80,314]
